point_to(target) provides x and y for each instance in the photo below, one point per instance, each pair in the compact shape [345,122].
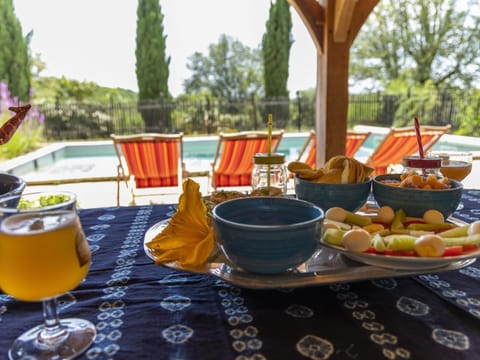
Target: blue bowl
[11,186]
[416,201]
[350,197]
[267,235]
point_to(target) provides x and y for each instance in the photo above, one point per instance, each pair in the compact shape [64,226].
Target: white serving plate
[330,264]
[403,262]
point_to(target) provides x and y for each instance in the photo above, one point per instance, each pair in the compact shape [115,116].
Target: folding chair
[354,141]
[233,161]
[152,160]
[400,142]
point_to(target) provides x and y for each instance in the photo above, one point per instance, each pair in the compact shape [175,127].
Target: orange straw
[419,137]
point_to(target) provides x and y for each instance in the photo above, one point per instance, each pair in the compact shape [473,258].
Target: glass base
[74,338]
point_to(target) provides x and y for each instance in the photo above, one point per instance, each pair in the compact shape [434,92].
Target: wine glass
[44,254]
[456,165]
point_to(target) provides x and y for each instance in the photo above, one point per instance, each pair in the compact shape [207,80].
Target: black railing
[210,116]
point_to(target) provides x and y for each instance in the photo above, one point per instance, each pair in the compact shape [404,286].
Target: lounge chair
[354,141]
[400,142]
[233,161]
[152,161]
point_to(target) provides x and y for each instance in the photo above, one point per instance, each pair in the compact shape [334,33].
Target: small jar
[272,166]
[426,166]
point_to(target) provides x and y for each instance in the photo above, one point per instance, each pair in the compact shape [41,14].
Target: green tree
[231,71]
[14,57]
[152,67]
[276,44]
[417,41]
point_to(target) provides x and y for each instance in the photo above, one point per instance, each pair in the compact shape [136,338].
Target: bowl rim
[367,181]
[35,194]
[305,203]
[458,184]
[19,183]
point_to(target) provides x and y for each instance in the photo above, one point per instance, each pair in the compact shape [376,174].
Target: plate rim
[421,263]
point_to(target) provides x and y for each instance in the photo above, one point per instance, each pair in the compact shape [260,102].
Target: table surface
[145,311]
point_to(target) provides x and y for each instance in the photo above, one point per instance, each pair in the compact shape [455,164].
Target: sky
[94,40]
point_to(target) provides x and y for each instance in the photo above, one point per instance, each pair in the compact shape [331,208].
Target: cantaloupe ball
[433,217]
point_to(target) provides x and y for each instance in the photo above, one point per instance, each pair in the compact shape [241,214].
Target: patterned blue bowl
[11,186]
[350,197]
[267,235]
[416,201]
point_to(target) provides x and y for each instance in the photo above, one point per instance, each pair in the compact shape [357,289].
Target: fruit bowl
[416,201]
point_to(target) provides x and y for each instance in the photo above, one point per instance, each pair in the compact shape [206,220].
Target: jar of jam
[269,167]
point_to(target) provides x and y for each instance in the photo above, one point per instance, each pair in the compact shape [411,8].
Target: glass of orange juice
[44,254]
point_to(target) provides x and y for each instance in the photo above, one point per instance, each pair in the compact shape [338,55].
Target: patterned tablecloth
[144,311]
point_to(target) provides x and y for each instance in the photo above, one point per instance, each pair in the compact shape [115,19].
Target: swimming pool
[97,161]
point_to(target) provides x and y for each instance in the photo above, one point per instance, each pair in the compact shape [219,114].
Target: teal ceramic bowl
[267,235]
[350,197]
[11,186]
[416,201]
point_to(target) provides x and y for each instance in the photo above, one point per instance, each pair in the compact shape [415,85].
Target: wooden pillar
[332,92]
[333,25]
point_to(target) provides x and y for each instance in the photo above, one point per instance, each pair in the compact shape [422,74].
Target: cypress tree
[276,49]
[276,44]
[152,64]
[14,60]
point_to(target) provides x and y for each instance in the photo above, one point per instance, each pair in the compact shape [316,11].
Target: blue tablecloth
[145,311]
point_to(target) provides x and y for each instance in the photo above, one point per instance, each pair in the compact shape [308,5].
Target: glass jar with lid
[422,166]
[269,167]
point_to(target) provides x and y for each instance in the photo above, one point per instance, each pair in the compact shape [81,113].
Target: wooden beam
[313,16]
[360,15]
[343,15]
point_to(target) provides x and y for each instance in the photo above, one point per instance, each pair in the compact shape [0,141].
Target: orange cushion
[236,162]
[152,164]
[395,148]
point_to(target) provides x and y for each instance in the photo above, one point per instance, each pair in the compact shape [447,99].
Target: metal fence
[210,116]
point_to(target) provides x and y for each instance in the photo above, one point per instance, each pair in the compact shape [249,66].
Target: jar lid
[265,159]
[425,163]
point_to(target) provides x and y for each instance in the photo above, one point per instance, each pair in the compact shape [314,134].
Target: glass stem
[53,333]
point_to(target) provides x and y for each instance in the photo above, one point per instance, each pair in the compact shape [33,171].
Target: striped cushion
[152,163]
[396,147]
[236,163]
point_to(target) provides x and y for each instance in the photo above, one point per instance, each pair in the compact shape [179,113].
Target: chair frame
[123,172]
[435,131]
[244,135]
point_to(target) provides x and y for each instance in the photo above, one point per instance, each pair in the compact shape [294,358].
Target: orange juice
[42,255]
[456,169]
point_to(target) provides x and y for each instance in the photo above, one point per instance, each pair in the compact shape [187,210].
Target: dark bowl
[11,186]
[350,197]
[267,235]
[416,201]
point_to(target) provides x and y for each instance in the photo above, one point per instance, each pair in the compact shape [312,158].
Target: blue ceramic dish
[11,186]
[268,235]
[416,201]
[350,197]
